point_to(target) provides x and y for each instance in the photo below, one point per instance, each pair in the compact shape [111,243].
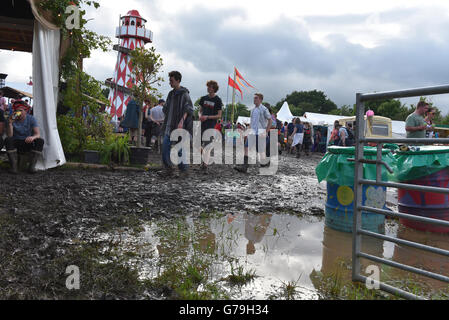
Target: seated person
[23,136]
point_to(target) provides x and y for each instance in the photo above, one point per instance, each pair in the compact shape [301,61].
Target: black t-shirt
[2,116]
[210,107]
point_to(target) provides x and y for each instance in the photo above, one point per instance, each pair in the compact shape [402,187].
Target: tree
[146,65]
[82,42]
[309,101]
[344,110]
[240,111]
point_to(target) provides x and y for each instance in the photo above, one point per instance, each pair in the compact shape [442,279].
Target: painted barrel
[426,204]
[339,208]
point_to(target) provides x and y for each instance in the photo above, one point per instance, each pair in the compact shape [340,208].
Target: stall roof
[15,93]
[17,24]
[321,118]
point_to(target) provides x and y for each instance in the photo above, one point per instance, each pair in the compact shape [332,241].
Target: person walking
[297,137]
[210,111]
[260,126]
[178,114]
[307,141]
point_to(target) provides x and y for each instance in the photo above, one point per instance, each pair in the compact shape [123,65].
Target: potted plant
[92,150]
[116,149]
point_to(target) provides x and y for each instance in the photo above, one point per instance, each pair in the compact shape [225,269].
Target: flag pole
[233,102]
[227,101]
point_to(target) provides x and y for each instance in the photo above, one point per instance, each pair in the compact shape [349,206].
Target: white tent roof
[243,120]
[321,119]
[284,113]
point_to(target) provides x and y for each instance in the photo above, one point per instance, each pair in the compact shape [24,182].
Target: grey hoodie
[177,103]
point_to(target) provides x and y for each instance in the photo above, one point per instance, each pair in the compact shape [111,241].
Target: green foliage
[115,149]
[308,101]
[344,110]
[72,134]
[82,42]
[390,108]
[240,111]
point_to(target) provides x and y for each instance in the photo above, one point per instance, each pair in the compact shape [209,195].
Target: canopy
[243,120]
[15,93]
[322,119]
[284,113]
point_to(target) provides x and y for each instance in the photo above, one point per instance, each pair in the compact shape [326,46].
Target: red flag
[241,77]
[234,85]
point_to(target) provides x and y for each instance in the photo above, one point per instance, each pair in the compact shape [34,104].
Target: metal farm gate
[359,181]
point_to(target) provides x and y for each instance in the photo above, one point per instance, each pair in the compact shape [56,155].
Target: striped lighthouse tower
[132,34]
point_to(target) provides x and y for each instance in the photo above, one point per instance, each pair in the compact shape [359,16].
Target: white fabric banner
[45,92]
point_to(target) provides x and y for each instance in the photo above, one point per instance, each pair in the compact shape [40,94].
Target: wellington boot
[12,156]
[34,156]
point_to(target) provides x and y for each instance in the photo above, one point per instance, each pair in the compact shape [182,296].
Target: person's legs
[148,134]
[11,150]
[36,148]
[166,147]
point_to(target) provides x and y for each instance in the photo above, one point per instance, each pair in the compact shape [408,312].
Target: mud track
[42,214]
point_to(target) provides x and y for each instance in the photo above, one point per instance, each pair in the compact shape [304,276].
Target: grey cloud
[280,57]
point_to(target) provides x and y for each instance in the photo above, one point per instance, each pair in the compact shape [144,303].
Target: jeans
[22,146]
[166,148]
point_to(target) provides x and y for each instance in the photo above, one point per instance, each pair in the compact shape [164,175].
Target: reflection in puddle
[281,249]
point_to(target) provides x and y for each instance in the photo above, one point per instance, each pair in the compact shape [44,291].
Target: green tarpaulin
[335,167]
[413,165]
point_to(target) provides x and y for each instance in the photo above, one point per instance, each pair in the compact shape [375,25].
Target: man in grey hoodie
[178,111]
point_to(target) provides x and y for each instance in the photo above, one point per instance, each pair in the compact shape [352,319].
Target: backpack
[349,141]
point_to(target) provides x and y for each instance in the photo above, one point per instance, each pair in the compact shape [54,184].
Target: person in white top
[260,126]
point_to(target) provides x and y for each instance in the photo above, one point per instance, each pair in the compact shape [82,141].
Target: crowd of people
[177,112]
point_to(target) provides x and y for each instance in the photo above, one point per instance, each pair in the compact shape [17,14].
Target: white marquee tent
[284,113]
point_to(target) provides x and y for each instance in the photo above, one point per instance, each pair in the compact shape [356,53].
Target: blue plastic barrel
[339,208]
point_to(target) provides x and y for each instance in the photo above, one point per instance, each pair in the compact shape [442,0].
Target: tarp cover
[45,93]
[334,167]
[428,160]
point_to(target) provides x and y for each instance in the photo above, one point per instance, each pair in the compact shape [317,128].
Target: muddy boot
[12,156]
[244,167]
[34,156]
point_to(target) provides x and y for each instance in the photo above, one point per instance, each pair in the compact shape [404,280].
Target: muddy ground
[51,219]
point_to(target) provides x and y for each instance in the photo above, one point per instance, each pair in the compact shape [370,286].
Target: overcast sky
[339,47]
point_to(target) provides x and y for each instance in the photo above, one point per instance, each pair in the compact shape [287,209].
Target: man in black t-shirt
[210,111]
[2,128]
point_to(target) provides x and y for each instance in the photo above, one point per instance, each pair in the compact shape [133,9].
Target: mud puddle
[279,256]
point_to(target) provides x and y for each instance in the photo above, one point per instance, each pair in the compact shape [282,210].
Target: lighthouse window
[132,23]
